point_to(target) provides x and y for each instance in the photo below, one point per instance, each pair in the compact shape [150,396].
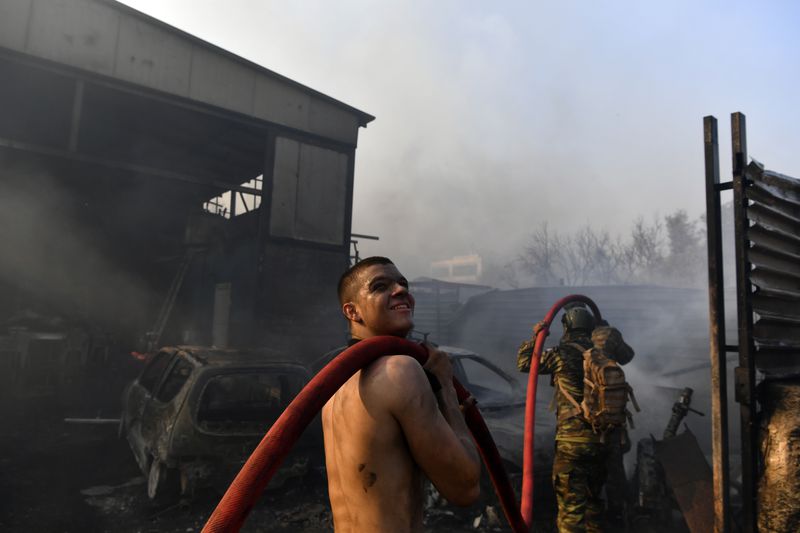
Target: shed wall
[108,39]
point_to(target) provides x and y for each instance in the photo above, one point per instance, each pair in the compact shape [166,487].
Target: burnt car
[501,400]
[195,414]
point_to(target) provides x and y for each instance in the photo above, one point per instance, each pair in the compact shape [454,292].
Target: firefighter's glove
[525,351]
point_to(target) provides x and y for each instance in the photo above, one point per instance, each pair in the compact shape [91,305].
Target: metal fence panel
[774,240]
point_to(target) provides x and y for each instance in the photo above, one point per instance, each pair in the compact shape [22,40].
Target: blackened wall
[297,306]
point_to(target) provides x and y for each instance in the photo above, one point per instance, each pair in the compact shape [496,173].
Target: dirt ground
[58,477]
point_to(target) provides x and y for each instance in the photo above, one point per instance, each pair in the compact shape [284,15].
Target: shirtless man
[386,429]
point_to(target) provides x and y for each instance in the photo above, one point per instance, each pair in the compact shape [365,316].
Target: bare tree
[639,260]
[541,257]
[591,256]
[588,256]
[585,257]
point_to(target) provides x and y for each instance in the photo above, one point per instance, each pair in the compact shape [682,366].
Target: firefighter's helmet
[578,318]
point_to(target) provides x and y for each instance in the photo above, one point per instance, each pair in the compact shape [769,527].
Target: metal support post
[716,311]
[745,372]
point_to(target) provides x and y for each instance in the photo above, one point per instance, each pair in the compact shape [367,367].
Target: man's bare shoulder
[395,370]
[394,379]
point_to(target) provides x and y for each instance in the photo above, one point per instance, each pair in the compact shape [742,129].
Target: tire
[163,483]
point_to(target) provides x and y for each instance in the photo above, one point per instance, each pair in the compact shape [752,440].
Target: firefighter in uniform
[579,466]
[583,459]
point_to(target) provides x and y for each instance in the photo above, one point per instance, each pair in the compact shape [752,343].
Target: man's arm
[434,427]
[525,354]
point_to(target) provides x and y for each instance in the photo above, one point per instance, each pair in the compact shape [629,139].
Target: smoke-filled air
[493,119]
[188,192]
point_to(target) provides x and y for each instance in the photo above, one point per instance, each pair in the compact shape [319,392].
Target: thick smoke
[494,118]
[61,262]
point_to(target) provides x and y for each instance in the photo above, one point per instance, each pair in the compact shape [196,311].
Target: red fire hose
[273,448]
[254,476]
[530,402]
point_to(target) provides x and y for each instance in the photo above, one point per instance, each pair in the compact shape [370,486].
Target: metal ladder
[153,337]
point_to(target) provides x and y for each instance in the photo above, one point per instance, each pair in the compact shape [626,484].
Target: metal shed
[116,129]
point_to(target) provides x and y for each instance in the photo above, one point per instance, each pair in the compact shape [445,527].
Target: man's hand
[439,365]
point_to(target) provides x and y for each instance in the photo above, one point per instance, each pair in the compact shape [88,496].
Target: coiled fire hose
[246,488]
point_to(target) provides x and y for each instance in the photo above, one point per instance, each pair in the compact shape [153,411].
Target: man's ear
[351,313]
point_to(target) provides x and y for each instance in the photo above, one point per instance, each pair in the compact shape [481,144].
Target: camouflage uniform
[579,466]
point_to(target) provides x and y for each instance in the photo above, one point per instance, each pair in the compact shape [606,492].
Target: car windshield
[248,401]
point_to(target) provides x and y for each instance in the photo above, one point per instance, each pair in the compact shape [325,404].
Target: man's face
[381,303]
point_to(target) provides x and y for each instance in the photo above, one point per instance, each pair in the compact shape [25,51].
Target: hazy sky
[495,116]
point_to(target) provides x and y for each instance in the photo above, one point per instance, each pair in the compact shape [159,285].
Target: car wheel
[121,427]
[163,483]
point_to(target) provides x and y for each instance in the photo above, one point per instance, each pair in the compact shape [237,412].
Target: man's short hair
[348,279]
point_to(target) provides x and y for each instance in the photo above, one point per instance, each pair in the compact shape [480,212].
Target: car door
[140,394]
[160,414]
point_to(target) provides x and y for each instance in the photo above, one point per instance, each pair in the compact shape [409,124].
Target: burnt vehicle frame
[194,415]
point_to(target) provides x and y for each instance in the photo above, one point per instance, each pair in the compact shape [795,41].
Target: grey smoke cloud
[60,262]
[494,117]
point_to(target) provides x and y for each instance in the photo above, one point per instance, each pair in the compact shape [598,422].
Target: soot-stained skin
[368,478]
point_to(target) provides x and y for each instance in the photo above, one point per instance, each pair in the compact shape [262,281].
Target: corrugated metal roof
[774,255]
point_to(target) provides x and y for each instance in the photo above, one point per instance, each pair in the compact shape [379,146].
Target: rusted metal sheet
[689,477]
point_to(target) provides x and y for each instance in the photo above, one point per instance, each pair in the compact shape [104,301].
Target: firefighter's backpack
[605,392]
